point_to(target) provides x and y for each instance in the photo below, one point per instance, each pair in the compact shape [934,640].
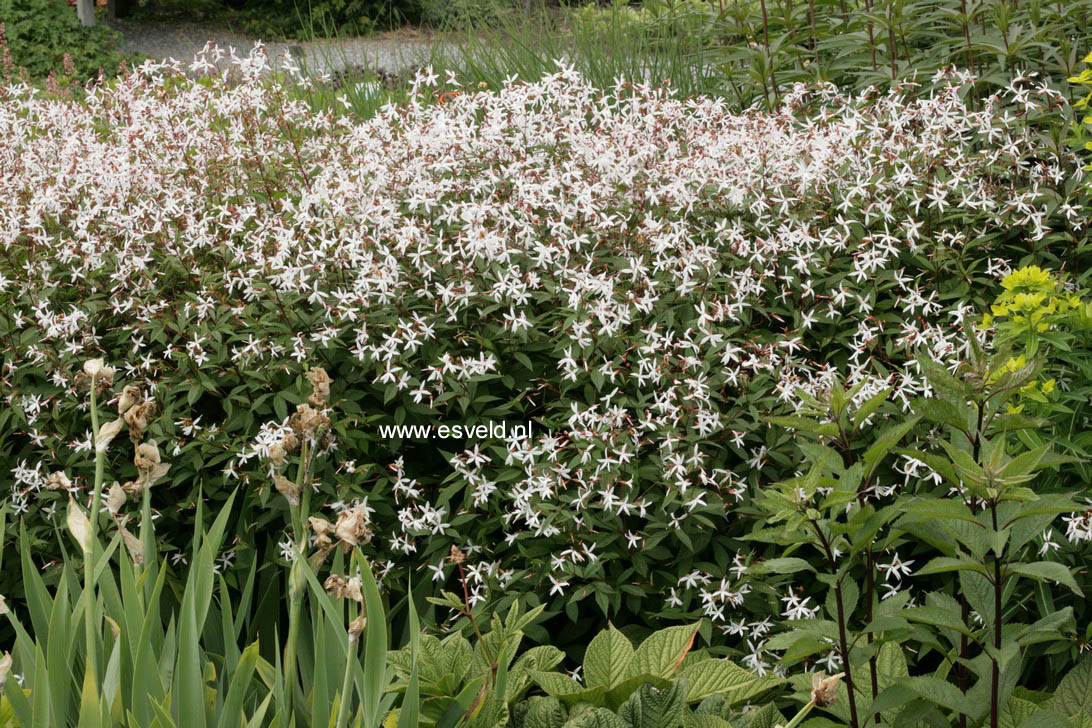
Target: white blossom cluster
[673,254]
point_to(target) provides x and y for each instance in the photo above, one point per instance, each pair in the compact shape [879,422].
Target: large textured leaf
[557,685]
[597,718]
[710,677]
[1049,719]
[768,716]
[705,721]
[651,707]
[1016,712]
[544,713]
[662,652]
[607,659]
[1074,693]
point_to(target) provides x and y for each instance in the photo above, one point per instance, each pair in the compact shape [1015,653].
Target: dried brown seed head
[288,489]
[320,386]
[356,628]
[115,498]
[352,526]
[456,556]
[277,453]
[58,481]
[146,456]
[97,370]
[824,690]
[133,545]
[307,421]
[130,397]
[341,588]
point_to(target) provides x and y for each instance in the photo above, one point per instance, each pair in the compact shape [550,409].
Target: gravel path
[393,53]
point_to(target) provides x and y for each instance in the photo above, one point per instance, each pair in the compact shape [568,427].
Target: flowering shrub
[646,278]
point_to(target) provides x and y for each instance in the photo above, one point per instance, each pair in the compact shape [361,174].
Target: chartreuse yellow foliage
[1033,304]
[1033,300]
[1085,80]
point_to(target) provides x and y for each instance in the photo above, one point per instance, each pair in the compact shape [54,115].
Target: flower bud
[79,526]
[94,367]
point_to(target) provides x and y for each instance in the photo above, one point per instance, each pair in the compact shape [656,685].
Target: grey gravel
[181,40]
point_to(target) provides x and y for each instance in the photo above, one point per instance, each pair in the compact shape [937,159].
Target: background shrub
[40,32]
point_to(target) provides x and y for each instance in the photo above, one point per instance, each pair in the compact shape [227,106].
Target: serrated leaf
[652,707]
[1074,694]
[712,677]
[544,713]
[607,659]
[662,652]
[557,685]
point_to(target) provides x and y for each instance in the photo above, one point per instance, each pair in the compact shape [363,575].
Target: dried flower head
[324,532]
[137,417]
[824,690]
[277,453]
[320,387]
[341,588]
[131,395]
[306,421]
[456,556]
[115,498]
[146,456]
[287,488]
[352,526]
[356,628]
[107,433]
[133,545]
[97,370]
[5,668]
[58,481]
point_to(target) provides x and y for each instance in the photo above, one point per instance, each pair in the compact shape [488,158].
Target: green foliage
[466,14]
[306,19]
[41,33]
[753,51]
[986,564]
